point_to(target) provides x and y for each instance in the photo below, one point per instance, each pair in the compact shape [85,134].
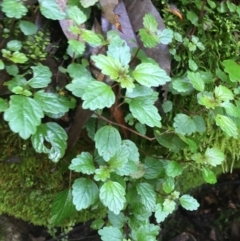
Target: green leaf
[142,107]
[192,17]
[174,169]
[72,53]
[233,69]
[192,47]
[171,141]
[138,209]
[192,143]
[28,28]
[231,6]
[93,39]
[83,163]
[12,69]
[199,123]
[18,58]
[214,156]
[126,81]
[76,15]
[222,93]
[153,168]
[41,77]
[167,106]
[108,65]
[14,45]
[206,99]
[207,77]
[149,35]
[212,4]
[88,3]
[181,85]
[97,224]
[149,39]
[192,65]
[227,125]
[209,176]
[18,80]
[149,75]
[168,184]
[108,141]
[53,102]
[196,80]
[14,8]
[178,37]
[198,158]
[77,46]
[222,75]
[24,115]
[3,104]
[50,9]
[102,173]
[110,233]
[141,128]
[81,78]
[160,215]
[119,50]
[117,221]
[62,207]
[119,179]
[133,153]
[188,202]
[149,22]
[169,205]
[165,36]
[112,195]
[78,71]
[147,232]
[2,65]
[53,134]
[200,46]
[147,194]
[20,91]
[78,85]
[98,95]
[184,124]
[231,109]
[85,193]
[119,159]
[141,91]
[128,169]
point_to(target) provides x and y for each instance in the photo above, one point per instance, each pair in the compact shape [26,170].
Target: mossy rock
[30,181]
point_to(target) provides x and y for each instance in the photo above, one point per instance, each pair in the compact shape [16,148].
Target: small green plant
[131,173]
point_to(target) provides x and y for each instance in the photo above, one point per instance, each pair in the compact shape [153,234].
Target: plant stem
[120,125]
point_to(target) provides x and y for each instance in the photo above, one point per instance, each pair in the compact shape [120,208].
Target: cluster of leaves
[204,67]
[132,187]
[200,23]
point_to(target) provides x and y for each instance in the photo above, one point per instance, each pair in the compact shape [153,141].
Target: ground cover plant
[103,123]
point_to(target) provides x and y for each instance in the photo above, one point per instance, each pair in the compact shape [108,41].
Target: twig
[135,55]
[129,129]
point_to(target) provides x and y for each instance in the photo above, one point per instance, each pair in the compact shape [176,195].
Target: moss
[31,182]
[192,179]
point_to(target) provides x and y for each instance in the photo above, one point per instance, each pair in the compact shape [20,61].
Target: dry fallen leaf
[108,10]
[66,23]
[173,9]
[136,10]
